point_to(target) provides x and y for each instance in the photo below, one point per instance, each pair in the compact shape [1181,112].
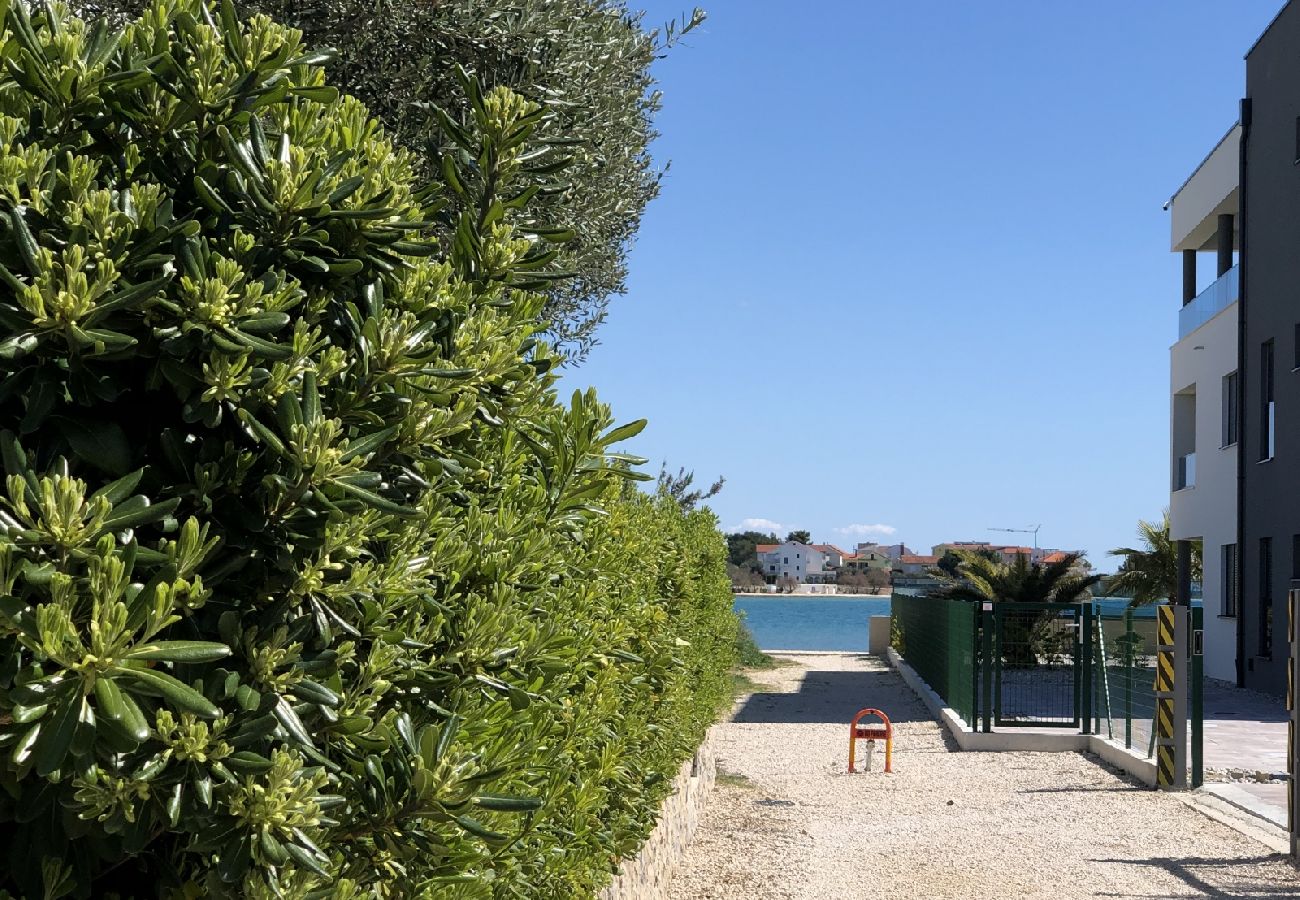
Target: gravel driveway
[786,821]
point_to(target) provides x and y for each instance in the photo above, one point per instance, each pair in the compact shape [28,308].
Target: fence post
[1128,678]
[986,613]
[1198,698]
[975,704]
[1083,678]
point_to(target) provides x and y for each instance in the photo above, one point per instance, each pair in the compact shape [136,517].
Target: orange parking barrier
[872,732]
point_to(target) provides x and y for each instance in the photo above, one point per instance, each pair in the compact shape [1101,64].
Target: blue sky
[910,268]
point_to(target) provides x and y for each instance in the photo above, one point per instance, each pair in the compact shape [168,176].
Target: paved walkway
[787,822]
[1245,734]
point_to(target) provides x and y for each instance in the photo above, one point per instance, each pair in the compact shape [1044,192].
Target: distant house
[791,560]
[889,551]
[912,564]
[960,547]
[833,557]
[864,561]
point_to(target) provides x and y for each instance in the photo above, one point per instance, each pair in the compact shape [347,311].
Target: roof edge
[1267,29]
[1201,165]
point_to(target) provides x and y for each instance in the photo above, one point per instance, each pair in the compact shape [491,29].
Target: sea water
[811,623]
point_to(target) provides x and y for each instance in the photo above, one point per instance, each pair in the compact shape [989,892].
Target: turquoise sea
[811,622]
[840,623]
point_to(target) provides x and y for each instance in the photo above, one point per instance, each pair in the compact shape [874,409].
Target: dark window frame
[1231,409]
[1266,397]
[1264,646]
[1229,606]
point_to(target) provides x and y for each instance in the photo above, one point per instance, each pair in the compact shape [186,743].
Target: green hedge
[309,586]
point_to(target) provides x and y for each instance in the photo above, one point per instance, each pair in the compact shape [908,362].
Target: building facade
[1269,350]
[1204,404]
[790,560]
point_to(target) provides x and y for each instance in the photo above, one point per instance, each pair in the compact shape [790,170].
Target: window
[1297,139]
[1266,408]
[1229,607]
[1295,557]
[1231,419]
[785,561]
[1296,361]
[1265,597]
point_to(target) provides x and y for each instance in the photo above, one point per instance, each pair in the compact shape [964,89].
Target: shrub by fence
[309,586]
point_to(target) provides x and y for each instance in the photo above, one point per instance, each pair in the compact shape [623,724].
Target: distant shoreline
[814,596]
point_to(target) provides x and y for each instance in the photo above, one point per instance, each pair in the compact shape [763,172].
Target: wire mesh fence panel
[937,638]
[1124,697]
[1036,659]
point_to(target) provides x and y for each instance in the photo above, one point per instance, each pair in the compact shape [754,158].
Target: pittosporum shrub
[309,587]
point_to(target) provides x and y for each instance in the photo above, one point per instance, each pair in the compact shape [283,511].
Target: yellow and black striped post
[1171,698]
[1292,800]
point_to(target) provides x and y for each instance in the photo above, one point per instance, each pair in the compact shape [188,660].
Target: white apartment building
[1204,420]
[798,561]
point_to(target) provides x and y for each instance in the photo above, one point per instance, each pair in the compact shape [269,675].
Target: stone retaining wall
[648,874]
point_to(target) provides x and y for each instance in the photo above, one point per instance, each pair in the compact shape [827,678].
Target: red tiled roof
[765,548]
[1055,557]
[919,560]
[825,548]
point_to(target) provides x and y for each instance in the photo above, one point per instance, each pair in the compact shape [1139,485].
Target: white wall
[797,561]
[1208,511]
[1211,190]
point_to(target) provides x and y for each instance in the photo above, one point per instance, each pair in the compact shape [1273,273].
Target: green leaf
[56,737]
[623,432]
[479,830]
[179,651]
[115,705]
[174,691]
[137,511]
[507,802]
[372,499]
[103,445]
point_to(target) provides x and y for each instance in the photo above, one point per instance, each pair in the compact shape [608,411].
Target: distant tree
[877,580]
[852,582]
[742,548]
[799,537]
[787,585]
[743,578]
[1150,574]
[679,488]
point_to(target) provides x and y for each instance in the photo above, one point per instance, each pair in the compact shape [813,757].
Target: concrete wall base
[647,875]
[1029,741]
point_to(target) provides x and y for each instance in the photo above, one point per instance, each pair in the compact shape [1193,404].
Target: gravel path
[786,821]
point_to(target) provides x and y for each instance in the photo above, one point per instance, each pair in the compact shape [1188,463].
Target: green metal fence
[1089,665]
[938,638]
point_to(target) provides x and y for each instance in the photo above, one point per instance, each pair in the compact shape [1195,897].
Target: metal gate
[1039,671]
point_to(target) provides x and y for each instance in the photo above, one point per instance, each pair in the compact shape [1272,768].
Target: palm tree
[980,577]
[1027,635]
[1151,574]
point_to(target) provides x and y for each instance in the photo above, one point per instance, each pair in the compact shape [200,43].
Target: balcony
[1208,303]
[1185,477]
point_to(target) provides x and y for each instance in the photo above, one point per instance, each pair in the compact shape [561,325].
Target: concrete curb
[1238,818]
[1247,802]
[1143,770]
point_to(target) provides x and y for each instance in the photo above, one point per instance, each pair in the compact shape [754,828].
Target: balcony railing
[1185,477]
[1208,303]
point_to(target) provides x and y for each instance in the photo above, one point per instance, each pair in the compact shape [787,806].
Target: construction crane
[1033,531]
